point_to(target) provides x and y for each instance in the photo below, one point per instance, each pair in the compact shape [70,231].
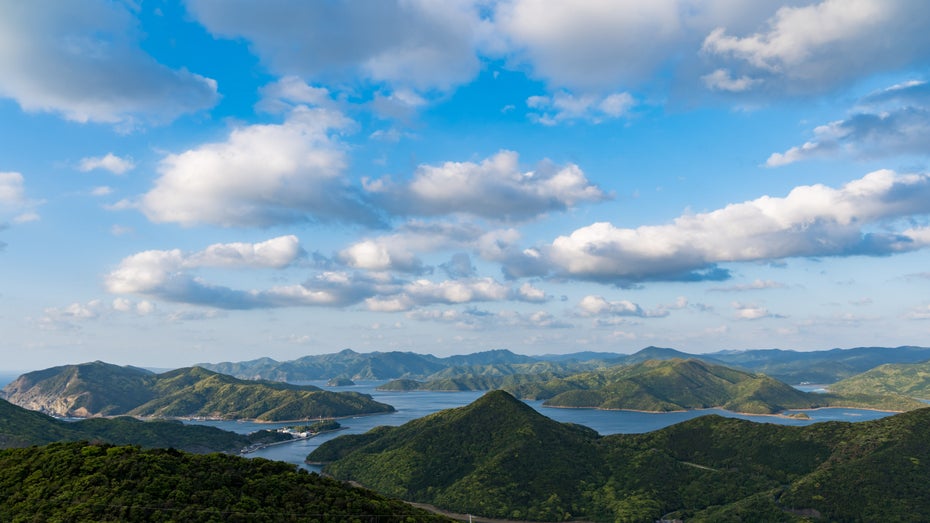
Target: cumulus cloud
[13,198]
[172,275]
[421,45]
[495,189]
[867,216]
[746,311]
[813,48]
[892,121]
[290,92]
[566,107]
[109,162]
[400,250]
[166,273]
[587,44]
[260,176]
[594,306]
[83,61]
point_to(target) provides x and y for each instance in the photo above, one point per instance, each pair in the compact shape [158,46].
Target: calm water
[412,405]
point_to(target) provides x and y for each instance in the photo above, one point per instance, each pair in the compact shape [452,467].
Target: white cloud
[260,176]
[892,121]
[165,272]
[566,107]
[102,190]
[594,306]
[496,189]
[12,193]
[13,198]
[400,250]
[83,61]
[417,44]
[817,47]
[289,92]
[110,162]
[722,80]
[919,313]
[746,311]
[588,44]
[864,217]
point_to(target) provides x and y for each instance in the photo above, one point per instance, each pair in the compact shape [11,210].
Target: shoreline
[780,414]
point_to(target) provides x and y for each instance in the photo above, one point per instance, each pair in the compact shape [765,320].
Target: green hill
[96,389]
[678,384]
[499,458]
[81,482]
[911,380]
[20,427]
[89,389]
[819,366]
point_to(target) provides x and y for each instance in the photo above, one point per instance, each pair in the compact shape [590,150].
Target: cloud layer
[864,217]
[82,60]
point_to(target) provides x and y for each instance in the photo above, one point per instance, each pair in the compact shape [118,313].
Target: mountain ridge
[99,389]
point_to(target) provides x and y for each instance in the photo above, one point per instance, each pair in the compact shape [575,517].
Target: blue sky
[205,181]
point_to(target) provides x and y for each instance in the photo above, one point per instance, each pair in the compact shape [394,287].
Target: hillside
[373,366]
[81,482]
[822,366]
[659,386]
[89,389]
[478,459]
[672,385]
[788,366]
[497,452]
[20,427]
[911,380]
[93,389]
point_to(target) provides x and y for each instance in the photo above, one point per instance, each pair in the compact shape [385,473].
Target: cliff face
[101,389]
[89,389]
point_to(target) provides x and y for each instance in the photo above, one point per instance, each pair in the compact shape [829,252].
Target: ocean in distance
[412,405]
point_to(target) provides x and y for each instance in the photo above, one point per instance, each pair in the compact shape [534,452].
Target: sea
[416,404]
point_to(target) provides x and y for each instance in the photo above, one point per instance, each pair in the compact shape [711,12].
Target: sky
[205,180]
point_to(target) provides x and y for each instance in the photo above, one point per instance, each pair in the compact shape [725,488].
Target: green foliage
[188,392]
[499,458]
[20,428]
[82,482]
[902,379]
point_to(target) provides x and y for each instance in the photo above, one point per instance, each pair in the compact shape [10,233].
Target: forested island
[102,389]
[662,386]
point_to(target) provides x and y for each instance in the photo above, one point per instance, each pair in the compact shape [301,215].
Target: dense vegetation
[911,380]
[21,428]
[660,385]
[102,389]
[821,366]
[500,458]
[788,366]
[96,482]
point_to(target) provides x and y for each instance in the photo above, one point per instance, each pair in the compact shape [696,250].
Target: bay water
[416,404]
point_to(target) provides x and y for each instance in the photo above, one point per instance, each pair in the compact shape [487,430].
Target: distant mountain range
[663,385]
[793,367]
[500,458]
[103,389]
